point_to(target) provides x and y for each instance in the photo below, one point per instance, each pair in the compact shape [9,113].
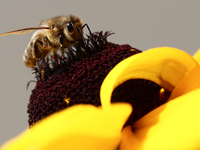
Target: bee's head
[72,30]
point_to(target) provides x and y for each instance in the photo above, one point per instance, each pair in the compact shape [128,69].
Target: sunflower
[115,97]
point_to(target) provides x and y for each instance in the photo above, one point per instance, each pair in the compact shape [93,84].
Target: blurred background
[143,24]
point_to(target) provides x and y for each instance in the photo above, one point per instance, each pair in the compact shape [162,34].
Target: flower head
[78,81]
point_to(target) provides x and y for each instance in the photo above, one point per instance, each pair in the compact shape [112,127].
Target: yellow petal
[79,127]
[197,56]
[164,66]
[188,83]
[172,126]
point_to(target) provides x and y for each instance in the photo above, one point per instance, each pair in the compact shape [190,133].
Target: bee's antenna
[81,33]
[87,28]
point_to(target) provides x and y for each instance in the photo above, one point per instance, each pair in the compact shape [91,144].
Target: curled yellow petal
[172,126]
[165,66]
[79,127]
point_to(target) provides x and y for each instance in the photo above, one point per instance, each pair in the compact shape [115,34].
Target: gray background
[141,23]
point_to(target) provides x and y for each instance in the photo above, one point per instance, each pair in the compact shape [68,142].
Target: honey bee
[52,35]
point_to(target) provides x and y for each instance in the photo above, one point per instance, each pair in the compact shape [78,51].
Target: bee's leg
[55,57]
[46,43]
[62,52]
[47,47]
[40,62]
[63,43]
[37,53]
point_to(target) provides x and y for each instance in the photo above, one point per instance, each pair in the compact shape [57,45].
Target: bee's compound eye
[70,26]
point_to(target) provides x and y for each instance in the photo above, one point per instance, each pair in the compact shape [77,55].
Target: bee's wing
[23,31]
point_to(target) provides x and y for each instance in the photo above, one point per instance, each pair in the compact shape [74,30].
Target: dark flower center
[143,95]
[78,81]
